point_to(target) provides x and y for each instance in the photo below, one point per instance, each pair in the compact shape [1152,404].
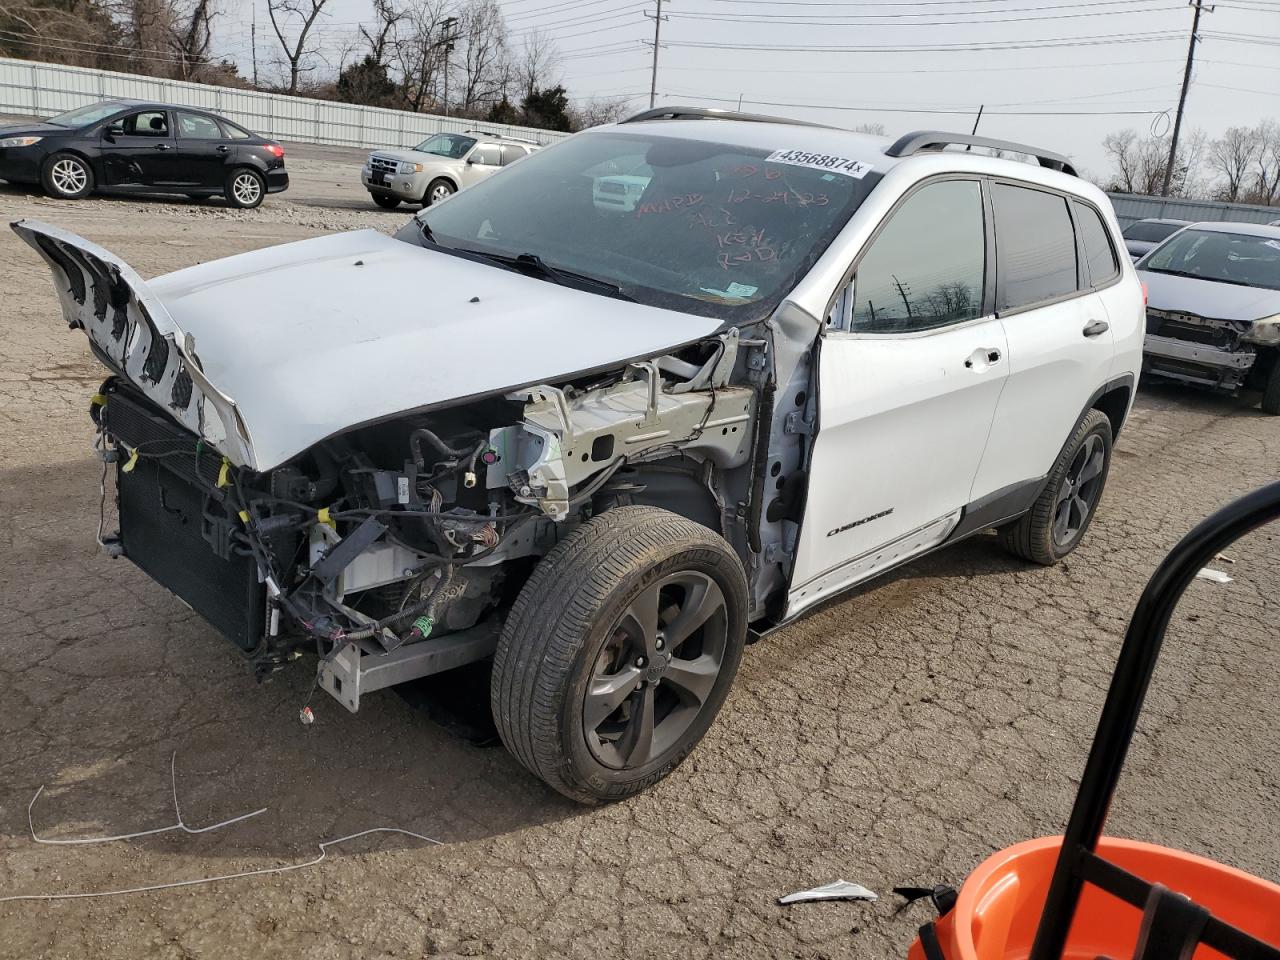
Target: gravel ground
[897,736]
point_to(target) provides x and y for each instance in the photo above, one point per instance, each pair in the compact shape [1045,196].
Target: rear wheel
[245,188]
[439,189]
[385,200]
[619,652]
[1057,521]
[67,176]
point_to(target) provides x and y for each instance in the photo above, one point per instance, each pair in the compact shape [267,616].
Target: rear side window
[192,126]
[926,267]
[511,154]
[1035,247]
[1098,252]
[488,154]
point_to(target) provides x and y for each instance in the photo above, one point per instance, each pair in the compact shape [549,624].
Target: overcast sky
[1056,73]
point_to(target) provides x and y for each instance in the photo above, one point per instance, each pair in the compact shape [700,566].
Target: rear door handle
[1096,328]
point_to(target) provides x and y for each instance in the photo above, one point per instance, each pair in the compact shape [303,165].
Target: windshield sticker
[821,161]
[742,290]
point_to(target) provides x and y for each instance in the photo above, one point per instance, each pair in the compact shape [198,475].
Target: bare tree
[597,110]
[288,16]
[483,67]
[538,65]
[1267,183]
[419,50]
[380,33]
[1139,162]
[1231,156]
[80,32]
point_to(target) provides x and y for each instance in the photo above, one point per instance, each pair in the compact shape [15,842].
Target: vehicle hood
[413,156]
[289,345]
[1206,298]
[31,130]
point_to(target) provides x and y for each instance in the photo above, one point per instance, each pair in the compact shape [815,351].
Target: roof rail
[912,143]
[710,113]
[504,136]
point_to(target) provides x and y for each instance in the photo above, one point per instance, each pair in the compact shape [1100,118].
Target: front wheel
[619,652]
[385,200]
[1056,522]
[245,189]
[67,176]
[439,189]
[1271,392]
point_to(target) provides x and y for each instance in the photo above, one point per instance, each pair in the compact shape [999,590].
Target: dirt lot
[898,736]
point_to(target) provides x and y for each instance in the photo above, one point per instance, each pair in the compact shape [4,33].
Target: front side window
[1235,258]
[451,145]
[488,154]
[85,116]
[192,126]
[926,267]
[707,228]
[150,123]
[1036,247]
[1098,252]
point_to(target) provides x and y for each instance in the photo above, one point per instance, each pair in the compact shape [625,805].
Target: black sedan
[146,148]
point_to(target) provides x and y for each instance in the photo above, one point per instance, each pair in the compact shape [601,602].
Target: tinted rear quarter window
[1098,252]
[1035,247]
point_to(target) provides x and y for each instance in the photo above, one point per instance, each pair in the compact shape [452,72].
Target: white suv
[439,166]
[615,437]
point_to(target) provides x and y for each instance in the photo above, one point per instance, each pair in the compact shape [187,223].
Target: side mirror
[471,160]
[112,131]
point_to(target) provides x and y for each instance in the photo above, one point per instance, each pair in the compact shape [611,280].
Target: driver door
[910,369]
[483,162]
[142,153]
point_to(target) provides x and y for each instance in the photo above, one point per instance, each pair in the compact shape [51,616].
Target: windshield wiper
[534,265]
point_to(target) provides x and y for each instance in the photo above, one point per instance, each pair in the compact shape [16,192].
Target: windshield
[1223,257]
[705,228]
[1150,231]
[452,145]
[84,116]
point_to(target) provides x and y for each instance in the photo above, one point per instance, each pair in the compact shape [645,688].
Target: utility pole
[1198,6]
[657,32]
[448,38]
[253,42]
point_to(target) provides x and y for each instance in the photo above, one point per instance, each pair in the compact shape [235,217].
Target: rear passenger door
[910,369]
[203,150]
[1057,328]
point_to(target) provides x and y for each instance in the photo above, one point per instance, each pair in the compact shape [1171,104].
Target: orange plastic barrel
[999,906]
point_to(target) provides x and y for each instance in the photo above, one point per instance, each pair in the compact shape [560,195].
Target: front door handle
[1096,328]
[163,146]
[982,358]
[223,148]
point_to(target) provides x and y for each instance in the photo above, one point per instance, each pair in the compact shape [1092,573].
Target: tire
[577,625]
[1057,521]
[246,189]
[385,200]
[67,176]
[1271,392]
[437,190]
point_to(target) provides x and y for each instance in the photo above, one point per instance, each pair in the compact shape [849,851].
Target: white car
[439,166]
[600,444]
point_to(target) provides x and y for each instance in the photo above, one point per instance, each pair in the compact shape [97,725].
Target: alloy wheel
[246,189]
[69,176]
[656,671]
[440,192]
[1078,493]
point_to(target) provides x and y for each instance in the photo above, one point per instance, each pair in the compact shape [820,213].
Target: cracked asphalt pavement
[898,736]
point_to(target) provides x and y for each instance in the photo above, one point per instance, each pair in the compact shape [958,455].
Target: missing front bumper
[1197,363]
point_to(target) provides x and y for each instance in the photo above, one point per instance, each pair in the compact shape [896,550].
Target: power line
[978,47]
[926,110]
[816,20]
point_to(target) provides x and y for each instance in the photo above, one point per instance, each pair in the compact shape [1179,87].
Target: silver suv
[439,167]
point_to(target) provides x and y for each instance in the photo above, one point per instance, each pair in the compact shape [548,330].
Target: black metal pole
[1129,685]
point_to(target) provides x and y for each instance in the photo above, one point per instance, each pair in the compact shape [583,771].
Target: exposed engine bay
[420,527]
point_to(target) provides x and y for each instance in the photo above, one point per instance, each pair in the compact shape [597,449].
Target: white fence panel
[45,89]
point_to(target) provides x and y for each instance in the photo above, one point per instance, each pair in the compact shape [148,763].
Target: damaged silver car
[603,443]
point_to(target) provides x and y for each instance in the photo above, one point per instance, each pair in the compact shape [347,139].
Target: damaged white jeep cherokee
[601,442]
